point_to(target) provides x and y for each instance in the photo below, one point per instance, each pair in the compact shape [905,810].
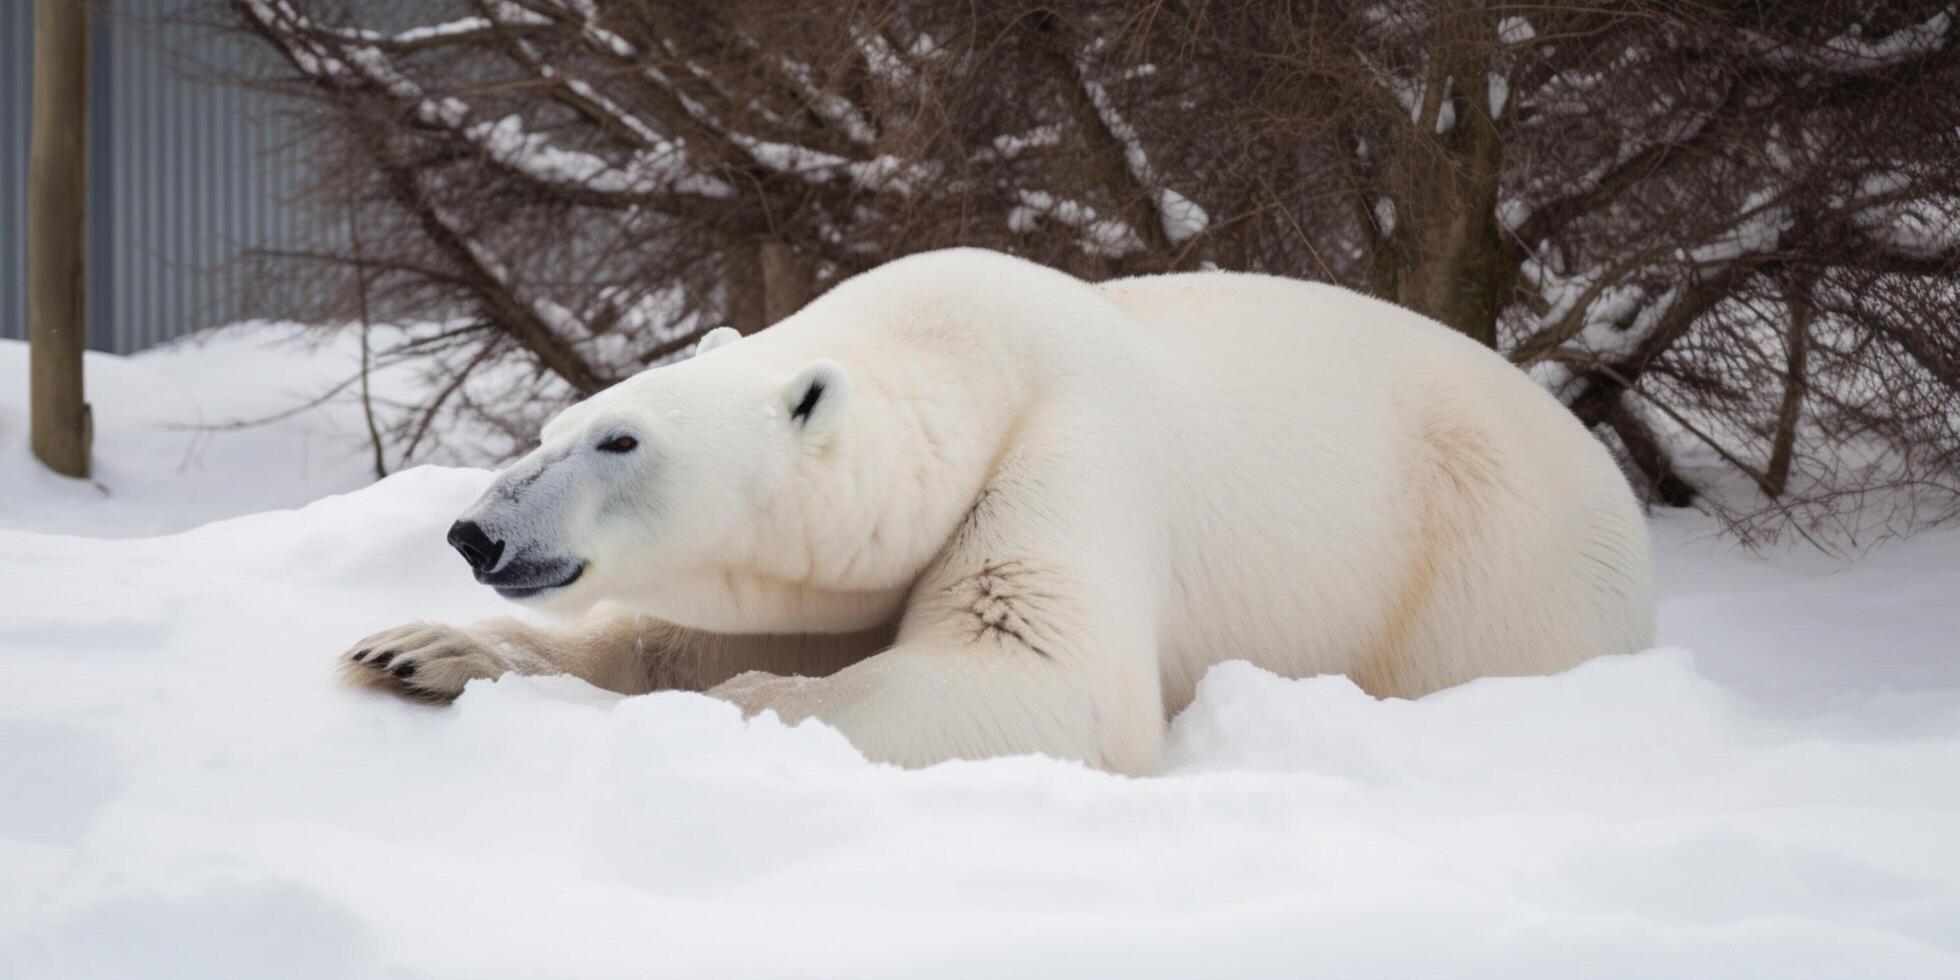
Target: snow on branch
[829,106]
[659,168]
[1008,146]
[1653,180]
[1103,236]
[1851,52]
[663,168]
[1182,218]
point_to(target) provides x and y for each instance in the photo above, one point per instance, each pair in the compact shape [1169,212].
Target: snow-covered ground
[186,792]
[192,432]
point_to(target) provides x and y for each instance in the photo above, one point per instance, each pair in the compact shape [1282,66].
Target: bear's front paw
[423,661]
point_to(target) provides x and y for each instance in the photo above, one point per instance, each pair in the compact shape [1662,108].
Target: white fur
[1070,500]
[717,337]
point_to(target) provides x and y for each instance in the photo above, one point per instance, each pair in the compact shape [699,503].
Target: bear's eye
[619,444]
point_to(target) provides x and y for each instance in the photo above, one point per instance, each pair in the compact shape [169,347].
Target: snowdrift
[185,791]
[192,794]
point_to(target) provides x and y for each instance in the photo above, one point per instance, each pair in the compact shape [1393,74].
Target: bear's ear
[817,397]
[718,337]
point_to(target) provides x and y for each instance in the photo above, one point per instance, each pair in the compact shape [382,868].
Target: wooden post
[763,280]
[786,284]
[57,232]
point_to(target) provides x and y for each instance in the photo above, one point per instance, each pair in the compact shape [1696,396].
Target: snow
[1008,146]
[883,172]
[1110,237]
[1181,218]
[1756,230]
[1184,219]
[450,29]
[1498,94]
[1922,227]
[1852,53]
[168,453]
[832,107]
[883,61]
[662,166]
[1446,112]
[589,26]
[190,793]
[1513,213]
[1385,215]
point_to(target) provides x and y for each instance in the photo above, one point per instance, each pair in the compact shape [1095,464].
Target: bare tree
[588,188]
[1724,227]
[1732,224]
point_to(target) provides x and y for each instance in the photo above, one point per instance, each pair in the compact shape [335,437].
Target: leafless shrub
[1724,226]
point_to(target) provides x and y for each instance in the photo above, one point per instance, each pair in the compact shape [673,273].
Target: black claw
[381,661]
[361,656]
[405,669]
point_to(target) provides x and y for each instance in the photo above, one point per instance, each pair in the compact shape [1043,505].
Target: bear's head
[664,478]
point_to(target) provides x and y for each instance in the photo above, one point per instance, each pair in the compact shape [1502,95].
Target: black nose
[476,547]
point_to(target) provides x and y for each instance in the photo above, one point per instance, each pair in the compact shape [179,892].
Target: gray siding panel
[101,303]
[16,91]
[183,176]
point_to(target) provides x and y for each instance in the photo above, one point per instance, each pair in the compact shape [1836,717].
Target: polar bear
[964,506]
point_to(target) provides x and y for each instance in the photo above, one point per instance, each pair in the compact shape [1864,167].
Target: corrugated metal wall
[182,176]
[16,81]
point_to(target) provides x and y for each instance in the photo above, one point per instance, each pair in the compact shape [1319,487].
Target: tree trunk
[1783,446]
[1444,255]
[1644,451]
[786,281]
[56,235]
[763,281]
[741,287]
[1452,258]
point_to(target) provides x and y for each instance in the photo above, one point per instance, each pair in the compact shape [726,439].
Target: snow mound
[191,794]
[186,791]
[172,447]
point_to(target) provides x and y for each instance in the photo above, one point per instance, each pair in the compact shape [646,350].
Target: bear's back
[1376,494]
